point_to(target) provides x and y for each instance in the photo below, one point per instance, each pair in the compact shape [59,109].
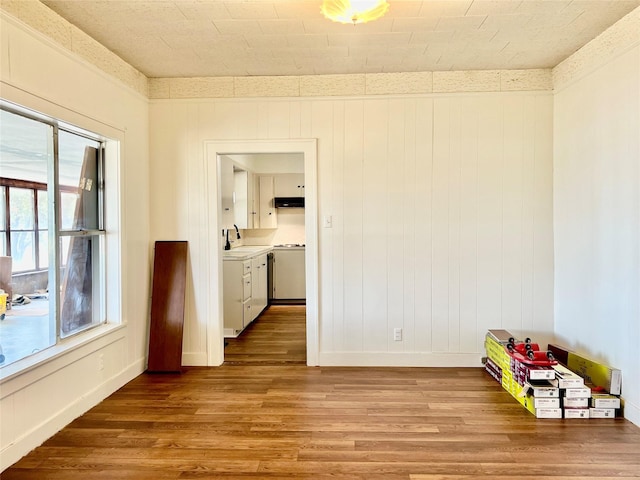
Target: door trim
[213,243]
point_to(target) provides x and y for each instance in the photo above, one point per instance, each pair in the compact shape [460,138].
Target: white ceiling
[191,38]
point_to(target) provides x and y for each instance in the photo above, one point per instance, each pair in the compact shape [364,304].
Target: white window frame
[91,339]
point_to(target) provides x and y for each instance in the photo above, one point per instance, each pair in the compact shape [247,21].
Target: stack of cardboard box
[552,391]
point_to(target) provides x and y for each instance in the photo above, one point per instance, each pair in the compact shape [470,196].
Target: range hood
[289,202]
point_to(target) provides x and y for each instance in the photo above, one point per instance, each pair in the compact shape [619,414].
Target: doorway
[213,151]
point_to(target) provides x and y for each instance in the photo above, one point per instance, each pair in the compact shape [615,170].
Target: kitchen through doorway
[265,256]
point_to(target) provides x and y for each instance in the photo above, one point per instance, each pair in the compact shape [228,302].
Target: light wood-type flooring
[265,415]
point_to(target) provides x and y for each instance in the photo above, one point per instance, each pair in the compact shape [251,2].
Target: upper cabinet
[245,206]
[289,185]
[267,210]
[226,192]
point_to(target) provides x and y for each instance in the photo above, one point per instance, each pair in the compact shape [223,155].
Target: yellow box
[3,305]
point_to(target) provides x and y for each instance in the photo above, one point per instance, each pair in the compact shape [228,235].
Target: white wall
[441,206]
[40,75]
[597,217]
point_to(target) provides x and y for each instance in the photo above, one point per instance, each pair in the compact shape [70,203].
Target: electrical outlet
[101,362]
[397,334]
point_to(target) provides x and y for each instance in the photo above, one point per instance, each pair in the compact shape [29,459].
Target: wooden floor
[282,420]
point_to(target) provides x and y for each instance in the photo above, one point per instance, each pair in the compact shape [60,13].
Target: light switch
[328,221]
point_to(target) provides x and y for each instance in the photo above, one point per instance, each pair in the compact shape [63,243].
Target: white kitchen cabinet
[289,185]
[267,210]
[289,273]
[245,292]
[244,210]
[259,296]
[226,192]
[237,296]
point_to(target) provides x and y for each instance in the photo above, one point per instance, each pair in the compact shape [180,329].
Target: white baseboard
[632,412]
[387,359]
[37,435]
[194,359]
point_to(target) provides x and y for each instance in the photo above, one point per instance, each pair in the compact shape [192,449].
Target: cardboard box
[593,372]
[602,412]
[576,413]
[546,402]
[582,392]
[532,372]
[575,402]
[566,378]
[548,413]
[603,400]
[541,388]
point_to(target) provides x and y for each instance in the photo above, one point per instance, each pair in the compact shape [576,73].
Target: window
[52,227]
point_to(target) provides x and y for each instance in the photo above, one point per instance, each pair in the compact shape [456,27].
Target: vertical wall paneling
[596,195]
[513,137]
[396,192]
[542,308]
[409,184]
[375,213]
[353,226]
[423,222]
[469,122]
[454,201]
[489,244]
[322,127]
[439,205]
[529,153]
[336,209]
[440,223]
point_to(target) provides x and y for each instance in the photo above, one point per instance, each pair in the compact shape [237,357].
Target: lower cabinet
[245,292]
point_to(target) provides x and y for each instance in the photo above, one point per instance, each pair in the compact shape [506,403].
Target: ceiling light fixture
[354,11]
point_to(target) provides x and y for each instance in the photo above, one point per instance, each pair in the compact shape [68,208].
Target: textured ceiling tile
[445,8]
[522,80]
[267,86]
[281,27]
[237,27]
[399,83]
[457,23]
[266,41]
[218,87]
[428,38]
[492,7]
[322,25]
[411,24]
[507,22]
[298,9]
[251,10]
[307,41]
[320,85]
[471,81]
[198,9]
[380,39]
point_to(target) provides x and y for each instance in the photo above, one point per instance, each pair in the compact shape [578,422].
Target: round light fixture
[354,11]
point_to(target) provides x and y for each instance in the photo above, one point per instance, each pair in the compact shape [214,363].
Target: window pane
[78,172]
[67,210]
[3,214]
[43,248]
[21,210]
[81,280]
[23,251]
[26,147]
[43,209]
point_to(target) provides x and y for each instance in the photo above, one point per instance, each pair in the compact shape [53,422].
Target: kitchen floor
[276,337]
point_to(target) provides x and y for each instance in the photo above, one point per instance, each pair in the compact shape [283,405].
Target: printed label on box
[576,413]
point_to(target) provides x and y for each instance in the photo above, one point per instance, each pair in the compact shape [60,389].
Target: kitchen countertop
[245,251]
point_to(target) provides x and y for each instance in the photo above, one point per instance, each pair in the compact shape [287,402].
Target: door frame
[214,243]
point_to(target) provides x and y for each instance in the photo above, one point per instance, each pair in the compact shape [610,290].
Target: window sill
[18,375]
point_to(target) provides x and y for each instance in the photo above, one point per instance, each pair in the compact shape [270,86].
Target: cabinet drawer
[246,287]
[246,267]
